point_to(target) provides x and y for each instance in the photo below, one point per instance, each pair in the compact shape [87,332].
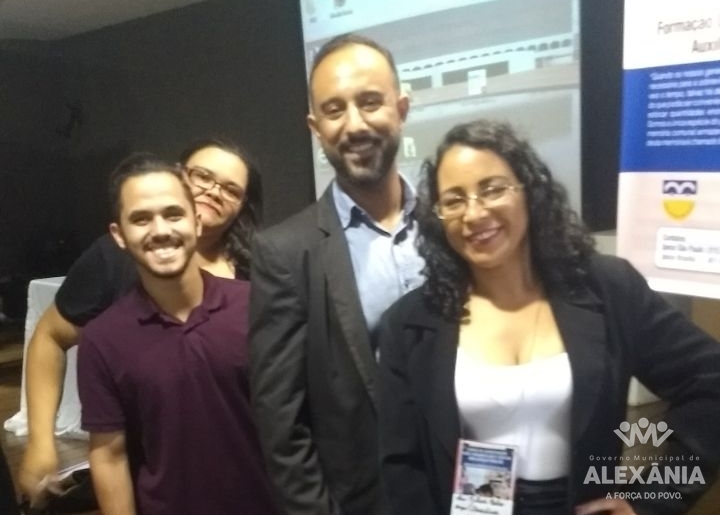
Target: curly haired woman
[524,336]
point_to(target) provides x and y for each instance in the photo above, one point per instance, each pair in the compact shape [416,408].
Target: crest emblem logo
[679,198]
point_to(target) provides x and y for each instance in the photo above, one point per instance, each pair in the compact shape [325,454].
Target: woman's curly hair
[238,236]
[560,245]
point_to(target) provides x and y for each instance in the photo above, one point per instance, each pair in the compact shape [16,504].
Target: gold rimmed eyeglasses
[455,205]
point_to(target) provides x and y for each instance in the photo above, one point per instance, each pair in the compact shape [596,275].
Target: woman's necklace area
[530,319]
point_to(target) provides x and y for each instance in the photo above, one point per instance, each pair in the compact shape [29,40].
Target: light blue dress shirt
[386,264]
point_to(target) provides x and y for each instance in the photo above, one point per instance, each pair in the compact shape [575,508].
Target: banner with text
[669,187]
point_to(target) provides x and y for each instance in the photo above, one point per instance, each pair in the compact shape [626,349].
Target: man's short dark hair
[137,165]
[345,40]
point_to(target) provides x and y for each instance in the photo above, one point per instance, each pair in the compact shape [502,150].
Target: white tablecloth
[41,293]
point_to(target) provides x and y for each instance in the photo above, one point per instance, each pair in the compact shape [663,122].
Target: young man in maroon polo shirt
[162,372]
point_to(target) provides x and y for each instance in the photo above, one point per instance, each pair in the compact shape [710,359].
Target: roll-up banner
[669,185]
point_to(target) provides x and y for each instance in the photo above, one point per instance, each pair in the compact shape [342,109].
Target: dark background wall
[601,81]
[231,68]
[222,67]
[32,162]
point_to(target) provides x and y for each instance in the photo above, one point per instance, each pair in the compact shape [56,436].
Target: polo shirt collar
[213,299]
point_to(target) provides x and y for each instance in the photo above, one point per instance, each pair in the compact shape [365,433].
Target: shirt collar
[213,299]
[348,209]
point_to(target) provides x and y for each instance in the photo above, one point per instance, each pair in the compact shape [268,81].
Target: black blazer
[614,329]
[313,374]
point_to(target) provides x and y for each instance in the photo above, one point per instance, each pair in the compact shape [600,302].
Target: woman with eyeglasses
[225,183]
[226,186]
[524,337]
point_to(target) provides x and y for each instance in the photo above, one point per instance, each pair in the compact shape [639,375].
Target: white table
[41,293]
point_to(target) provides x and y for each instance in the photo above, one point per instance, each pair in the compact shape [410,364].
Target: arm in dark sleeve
[103,416]
[101,275]
[102,409]
[404,475]
[681,364]
[278,334]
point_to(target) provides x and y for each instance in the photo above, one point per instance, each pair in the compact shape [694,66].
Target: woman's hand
[605,507]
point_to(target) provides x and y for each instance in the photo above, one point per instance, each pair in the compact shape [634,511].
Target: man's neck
[383,201]
[175,296]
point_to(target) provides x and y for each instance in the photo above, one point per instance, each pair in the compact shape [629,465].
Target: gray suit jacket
[313,374]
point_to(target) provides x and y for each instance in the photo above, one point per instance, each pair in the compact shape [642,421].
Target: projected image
[459,60]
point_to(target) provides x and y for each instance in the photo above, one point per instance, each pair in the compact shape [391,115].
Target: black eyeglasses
[205,179]
[454,205]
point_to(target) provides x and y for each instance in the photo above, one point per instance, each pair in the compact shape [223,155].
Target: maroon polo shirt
[180,393]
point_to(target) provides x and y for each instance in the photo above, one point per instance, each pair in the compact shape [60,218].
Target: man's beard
[147,266]
[372,173]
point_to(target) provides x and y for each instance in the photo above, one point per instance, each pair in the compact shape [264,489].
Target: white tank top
[526,406]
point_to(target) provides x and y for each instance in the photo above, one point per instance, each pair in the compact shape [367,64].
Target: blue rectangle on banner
[671,118]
